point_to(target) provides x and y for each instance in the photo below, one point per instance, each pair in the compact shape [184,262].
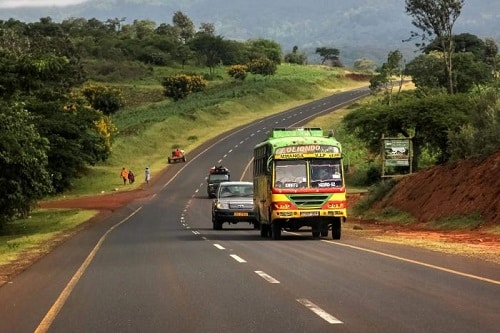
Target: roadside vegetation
[114,96]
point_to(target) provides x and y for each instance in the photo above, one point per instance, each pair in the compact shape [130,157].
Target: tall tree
[491,55]
[208,49]
[264,48]
[390,71]
[23,160]
[437,18]
[186,26]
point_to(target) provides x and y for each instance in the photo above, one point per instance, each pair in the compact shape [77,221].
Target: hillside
[464,188]
[358,28]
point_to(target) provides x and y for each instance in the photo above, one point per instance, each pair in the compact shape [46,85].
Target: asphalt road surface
[158,266]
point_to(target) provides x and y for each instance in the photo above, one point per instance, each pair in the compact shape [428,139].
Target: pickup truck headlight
[222,205]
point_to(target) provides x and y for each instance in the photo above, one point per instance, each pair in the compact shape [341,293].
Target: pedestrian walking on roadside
[147,175]
[124,175]
[131,177]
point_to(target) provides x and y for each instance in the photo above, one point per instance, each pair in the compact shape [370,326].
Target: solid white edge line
[61,300]
[320,312]
[471,276]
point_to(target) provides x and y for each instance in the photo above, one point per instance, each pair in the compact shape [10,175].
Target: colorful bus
[299,182]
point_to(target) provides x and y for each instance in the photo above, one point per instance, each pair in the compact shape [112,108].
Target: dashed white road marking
[320,312]
[238,259]
[195,232]
[220,247]
[267,277]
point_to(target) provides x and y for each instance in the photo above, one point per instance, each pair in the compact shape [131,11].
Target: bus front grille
[308,201]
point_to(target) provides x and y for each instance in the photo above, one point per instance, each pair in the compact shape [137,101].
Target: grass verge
[34,232]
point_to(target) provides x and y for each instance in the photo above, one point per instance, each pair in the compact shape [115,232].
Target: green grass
[389,215]
[34,232]
[462,222]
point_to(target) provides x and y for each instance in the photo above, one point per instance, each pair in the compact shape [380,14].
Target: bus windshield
[323,173]
[291,174]
[326,173]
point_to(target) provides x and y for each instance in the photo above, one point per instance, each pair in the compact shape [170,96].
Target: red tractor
[177,156]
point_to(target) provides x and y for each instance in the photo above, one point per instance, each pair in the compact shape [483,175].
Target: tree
[464,42]
[427,120]
[329,54]
[23,160]
[264,48]
[42,76]
[208,48]
[428,74]
[481,135]
[390,71]
[491,53]
[185,25]
[364,65]
[295,57]
[437,17]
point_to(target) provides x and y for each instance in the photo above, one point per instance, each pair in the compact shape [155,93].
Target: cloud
[38,3]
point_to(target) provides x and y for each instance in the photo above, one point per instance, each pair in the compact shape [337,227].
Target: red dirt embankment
[462,188]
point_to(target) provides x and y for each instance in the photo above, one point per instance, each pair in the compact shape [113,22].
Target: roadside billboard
[397,156]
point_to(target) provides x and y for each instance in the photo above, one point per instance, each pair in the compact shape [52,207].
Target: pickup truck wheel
[217,225]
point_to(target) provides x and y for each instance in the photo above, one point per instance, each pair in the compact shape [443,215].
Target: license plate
[240,214]
[309,214]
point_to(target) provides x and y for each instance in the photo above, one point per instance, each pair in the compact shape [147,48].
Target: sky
[38,3]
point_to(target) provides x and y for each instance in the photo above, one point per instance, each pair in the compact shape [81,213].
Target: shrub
[104,98]
[238,72]
[179,86]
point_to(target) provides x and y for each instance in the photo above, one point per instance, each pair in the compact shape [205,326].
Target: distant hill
[358,28]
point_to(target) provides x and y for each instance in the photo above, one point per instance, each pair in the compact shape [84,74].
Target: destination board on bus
[307,151]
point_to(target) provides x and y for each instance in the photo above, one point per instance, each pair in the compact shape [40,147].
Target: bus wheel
[276,230]
[264,230]
[324,232]
[315,234]
[336,229]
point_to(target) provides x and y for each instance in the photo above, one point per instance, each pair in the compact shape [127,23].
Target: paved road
[158,266]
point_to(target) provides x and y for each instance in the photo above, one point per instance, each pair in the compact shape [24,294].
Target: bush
[179,86]
[375,194]
[238,72]
[103,98]
[262,66]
